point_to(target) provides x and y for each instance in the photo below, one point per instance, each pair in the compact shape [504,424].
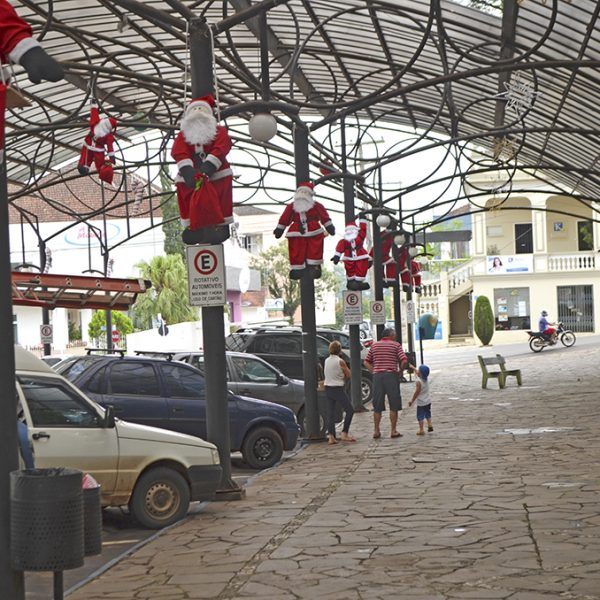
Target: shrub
[484,320]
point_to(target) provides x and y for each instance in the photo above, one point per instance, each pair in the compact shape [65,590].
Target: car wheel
[366,389]
[262,448]
[160,498]
[302,422]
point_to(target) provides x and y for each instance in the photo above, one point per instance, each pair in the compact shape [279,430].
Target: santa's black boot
[351,284]
[296,273]
[315,271]
[363,285]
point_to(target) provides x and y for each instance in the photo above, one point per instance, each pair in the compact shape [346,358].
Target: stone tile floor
[501,501]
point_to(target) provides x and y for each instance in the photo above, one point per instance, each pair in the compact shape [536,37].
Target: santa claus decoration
[305,219]
[410,272]
[351,251]
[205,179]
[98,146]
[18,46]
[388,263]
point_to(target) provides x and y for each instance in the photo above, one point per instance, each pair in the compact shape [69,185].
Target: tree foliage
[97,326]
[169,293]
[171,225]
[274,267]
[484,320]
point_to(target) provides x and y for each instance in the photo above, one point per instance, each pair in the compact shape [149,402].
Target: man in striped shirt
[386,360]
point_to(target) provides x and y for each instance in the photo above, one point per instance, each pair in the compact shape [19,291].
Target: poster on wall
[508,264]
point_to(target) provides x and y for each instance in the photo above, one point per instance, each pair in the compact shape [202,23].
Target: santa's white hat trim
[23,46]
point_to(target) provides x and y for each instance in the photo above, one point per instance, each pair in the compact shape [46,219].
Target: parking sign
[352,308]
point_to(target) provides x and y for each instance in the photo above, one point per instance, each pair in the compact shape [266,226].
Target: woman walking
[336,372]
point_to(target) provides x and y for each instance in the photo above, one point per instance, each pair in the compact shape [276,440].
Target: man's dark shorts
[386,384]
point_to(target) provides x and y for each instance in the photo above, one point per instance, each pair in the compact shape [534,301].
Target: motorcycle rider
[546,327]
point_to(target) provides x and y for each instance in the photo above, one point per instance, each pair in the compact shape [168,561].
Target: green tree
[97,327]
[274,267]
[169,293]
[435,266]
[171,225]
[484,320]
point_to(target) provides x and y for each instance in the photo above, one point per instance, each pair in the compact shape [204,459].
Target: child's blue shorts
[423,412]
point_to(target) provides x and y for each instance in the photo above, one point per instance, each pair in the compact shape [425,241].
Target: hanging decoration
[205,179]
[17,45]
[98,146]
[351,251]
[410,271]
[305,219]
[388,263]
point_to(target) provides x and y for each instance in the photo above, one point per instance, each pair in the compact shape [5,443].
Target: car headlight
[215,456]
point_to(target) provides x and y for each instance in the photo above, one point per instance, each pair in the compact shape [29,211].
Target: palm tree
[169,293]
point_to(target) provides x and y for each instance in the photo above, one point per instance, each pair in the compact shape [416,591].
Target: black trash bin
[46,519]
[92,521]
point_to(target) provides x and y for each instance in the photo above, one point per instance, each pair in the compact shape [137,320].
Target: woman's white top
[334,376]
[424,398]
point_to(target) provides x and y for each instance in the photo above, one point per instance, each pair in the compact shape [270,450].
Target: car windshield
[72,367]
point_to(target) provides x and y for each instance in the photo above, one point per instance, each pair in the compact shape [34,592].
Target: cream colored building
[530,252]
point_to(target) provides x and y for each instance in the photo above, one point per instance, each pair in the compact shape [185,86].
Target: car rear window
[71,368]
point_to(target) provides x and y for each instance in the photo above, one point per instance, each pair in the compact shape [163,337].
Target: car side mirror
[281,379]
[109,417]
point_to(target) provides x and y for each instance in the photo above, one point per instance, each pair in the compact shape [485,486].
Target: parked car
[252,376]
[156,472]
[171,395]
[53,359]
[364,330]
[282,347]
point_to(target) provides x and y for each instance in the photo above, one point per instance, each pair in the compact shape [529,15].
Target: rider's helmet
[544,313]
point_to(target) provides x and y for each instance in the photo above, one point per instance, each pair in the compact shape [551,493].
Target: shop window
[585,236]
[511,308]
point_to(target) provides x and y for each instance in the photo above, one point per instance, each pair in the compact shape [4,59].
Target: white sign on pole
[378,312]
[411,316]
[352,308]
[46,334]
[206,275]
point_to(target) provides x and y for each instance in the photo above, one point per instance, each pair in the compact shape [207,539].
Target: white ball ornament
[383,221]
[262,127]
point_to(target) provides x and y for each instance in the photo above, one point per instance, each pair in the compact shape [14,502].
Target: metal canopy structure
[489,93]
[67,291]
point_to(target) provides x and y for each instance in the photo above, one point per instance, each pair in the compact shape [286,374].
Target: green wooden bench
[501,374]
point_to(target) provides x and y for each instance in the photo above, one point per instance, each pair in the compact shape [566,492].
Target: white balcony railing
[571,262]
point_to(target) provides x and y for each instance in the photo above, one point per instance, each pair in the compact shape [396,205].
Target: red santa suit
[18,46]
[305,219]
[98,146]
[205,152]
[356,259]
[407,275]
[388,264]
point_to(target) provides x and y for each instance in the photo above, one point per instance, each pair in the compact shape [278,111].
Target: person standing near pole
[386,360]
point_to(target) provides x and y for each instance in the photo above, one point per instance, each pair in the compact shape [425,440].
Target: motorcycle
[538,340]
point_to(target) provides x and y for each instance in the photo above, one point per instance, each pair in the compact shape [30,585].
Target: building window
[511,307]
[585,236]
[252,243]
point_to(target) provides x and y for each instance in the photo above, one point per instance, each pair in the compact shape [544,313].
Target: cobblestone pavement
[501,501]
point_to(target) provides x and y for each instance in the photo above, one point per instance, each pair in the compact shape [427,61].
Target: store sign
[509,264]
[83,235]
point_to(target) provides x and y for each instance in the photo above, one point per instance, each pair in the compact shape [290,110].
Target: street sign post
[46,334]
[116,336]
[411,316]
[352,308]
[206,275]
[377,312]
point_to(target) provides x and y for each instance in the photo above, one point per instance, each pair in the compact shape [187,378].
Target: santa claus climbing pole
[305,219]
[205,179]
[351,251]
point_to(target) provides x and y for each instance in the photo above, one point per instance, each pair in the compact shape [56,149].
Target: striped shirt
[386,356]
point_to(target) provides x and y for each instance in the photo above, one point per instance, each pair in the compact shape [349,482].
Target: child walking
[423,398]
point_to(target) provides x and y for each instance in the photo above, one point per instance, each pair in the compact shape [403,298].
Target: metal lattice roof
[516,86]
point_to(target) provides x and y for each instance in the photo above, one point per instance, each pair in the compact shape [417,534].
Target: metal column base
[232,491]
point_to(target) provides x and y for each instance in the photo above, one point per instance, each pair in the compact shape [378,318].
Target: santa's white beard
[350,236]
[102,128]
[198,129]
[303,203]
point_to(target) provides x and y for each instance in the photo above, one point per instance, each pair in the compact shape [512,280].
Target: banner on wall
[509,264]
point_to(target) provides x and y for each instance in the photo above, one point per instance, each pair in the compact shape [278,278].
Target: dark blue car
[171,395]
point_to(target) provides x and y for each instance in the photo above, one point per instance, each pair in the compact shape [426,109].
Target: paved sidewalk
[500,502]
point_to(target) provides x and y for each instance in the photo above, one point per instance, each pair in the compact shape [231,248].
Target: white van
[156,472]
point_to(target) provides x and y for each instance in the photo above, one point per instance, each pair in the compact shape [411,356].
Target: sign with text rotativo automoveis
[352,308]
[206,275]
